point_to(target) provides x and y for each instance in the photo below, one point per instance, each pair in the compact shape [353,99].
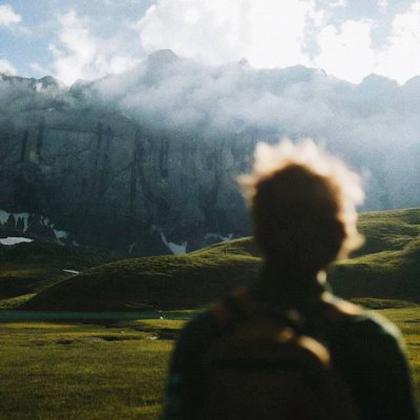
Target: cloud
[374,124]
[399,58]
[383,4]
[267,32]
[270,33]
[8,16]
[346,52]
[332,4]
[7,67]
[80,54]
[166,90]
[39,69]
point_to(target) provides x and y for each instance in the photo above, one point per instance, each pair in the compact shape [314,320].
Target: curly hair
[303,204]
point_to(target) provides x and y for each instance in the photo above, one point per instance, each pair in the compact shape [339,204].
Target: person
[303,206]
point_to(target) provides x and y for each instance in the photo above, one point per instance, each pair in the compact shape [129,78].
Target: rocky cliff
[144,163]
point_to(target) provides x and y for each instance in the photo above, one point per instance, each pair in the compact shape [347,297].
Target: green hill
[164,282]
[388,266]
[28,268]
[389,263]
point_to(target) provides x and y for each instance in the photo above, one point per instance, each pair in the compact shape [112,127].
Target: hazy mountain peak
[377,80]
[162,57]
[413,83]
[49,81]
[243,62]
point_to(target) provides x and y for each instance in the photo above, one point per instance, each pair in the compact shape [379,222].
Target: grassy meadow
[100,369]
[82,371]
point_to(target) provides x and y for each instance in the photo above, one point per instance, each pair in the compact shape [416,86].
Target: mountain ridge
[122,161]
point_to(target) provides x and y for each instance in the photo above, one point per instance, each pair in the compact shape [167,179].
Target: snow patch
[176,249]
[218,237]
[60,234]
[71,271]
[14,240]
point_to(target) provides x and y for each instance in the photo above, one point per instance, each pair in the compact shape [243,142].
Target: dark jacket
[366,349]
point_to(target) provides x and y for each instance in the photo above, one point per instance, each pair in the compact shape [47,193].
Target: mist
[173,93]
[373,126]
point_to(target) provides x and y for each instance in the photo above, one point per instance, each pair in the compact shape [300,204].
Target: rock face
[112,183]
[138,176]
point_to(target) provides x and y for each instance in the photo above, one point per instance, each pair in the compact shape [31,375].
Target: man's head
[303,203]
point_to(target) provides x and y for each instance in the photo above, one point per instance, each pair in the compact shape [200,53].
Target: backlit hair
[303,202]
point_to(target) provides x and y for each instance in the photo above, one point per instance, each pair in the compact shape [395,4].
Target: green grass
[83,371]
[72,370]
[375,303]
[389,273]
[166,282]
[388,266]
[389,230]
[77,371]
[28,268]
[13,302]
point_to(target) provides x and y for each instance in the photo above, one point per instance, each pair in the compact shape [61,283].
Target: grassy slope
[387,266]
[76,371]
[389,263]
[164,282]
[28,268]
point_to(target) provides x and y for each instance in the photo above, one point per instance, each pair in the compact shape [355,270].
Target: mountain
[144,162]
[386,267]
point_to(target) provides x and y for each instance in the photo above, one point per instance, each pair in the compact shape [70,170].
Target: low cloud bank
[374,124]
[169,92]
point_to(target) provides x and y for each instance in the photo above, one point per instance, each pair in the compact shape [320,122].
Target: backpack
[264,366]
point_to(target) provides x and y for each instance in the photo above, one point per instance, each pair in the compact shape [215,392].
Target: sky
[88,39]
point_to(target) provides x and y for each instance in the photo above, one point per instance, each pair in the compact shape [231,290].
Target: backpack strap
[321,318]
[230,311]
[240,306]
[327,318]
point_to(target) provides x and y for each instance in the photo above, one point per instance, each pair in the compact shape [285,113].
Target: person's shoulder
[198,332]
[376,324]
[199,324]
[366,322]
